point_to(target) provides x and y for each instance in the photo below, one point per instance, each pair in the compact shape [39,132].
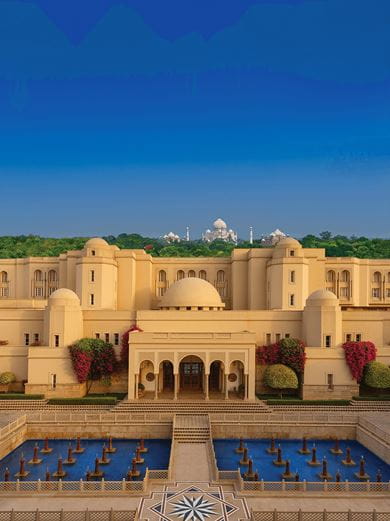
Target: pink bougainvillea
[357,355]
[288,351]
[125,344]
[81,361]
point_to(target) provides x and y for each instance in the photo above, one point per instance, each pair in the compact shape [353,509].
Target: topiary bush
[377,375]
[279,376]
[7,378]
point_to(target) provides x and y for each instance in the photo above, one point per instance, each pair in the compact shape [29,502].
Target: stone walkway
[191,462]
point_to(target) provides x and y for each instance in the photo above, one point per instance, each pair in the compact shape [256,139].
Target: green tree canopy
[279,376]
[377,375]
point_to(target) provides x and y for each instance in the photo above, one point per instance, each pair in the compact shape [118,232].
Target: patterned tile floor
[189,501]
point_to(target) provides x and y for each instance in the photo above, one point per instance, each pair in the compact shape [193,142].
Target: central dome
[219,224]
[191,293]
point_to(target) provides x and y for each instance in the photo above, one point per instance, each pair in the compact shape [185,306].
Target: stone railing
[212,460]
[7,487]
[12,426]
[288,417]
[63,515]
[323,515]
[96,417]
[315,486]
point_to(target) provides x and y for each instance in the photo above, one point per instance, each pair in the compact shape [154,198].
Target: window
[328,341]
[287,335]
[345,276]
[388,277]
[4,276]
[92,275]
[330,382]
[220,276]
[292,300]
[36,337]
[191,273]
[116,339]
[4,292]
[376,277]
[53,381]
[26,339]
[162,276]
[330,276]
[358,337]
[348,337]
[292,277]
[292,253]
[92,299]
[388,293]
[56,340]
[97,335]
[202,274]
[180,275]
[344,292]
[107,337]
[38,292]
[38,276]
[52,276]
[277,337]
[93,253]
[376,292]
[268,339]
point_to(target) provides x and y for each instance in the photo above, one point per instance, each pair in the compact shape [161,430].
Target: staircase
[190,428]
[22,405]
[191,407]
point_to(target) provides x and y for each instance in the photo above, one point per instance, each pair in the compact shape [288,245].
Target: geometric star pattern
[193,502]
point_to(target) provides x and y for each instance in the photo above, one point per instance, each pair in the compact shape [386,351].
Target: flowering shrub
[288,351]
[357,355]
[124,356]
[92,359]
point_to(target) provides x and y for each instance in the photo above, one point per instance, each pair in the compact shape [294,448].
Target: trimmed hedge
[377,375]
[373,398]
[20,396]
[307,402]
[87,400]
[118,396]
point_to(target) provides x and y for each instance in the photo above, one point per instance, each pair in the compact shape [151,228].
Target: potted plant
[6,379]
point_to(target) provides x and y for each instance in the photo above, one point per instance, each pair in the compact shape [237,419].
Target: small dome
[219,224]
[288,242]
[96,242]
[64,296]
[322,297]
[191,292]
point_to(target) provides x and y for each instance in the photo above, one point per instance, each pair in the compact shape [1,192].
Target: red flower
[357,355]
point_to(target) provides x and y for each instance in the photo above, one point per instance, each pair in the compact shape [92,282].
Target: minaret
[187,233]
[250,234]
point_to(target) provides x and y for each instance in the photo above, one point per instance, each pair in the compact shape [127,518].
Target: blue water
[227,459]
[156,458]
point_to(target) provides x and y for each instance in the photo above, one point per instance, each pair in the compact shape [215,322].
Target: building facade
[200,318]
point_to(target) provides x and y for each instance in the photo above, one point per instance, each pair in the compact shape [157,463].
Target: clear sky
[148,115]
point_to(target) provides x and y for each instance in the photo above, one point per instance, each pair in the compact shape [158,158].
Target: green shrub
[87,400]
[7,378]
[374,397]
[283,401]
[21,396]
[279,376]
[377,375]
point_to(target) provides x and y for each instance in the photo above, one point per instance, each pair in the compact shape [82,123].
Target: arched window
[220,276]
[52,276]
[202,274]
[330,276]
[4,276]
[191,273]
[345,276]
[38,275]
[162,276]
[180,275]
[377,277]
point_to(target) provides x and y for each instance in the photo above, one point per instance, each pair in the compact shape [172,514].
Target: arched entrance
[168,379]
[216,376]
[191,371]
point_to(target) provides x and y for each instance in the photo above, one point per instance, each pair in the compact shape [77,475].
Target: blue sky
[147,115]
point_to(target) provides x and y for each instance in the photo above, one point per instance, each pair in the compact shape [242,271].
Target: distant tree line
[335,246]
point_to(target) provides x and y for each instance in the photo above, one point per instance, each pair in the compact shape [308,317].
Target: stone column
[136,386]
[156,386]
[246,386]
[226,387]
[206,386]
[175,386]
